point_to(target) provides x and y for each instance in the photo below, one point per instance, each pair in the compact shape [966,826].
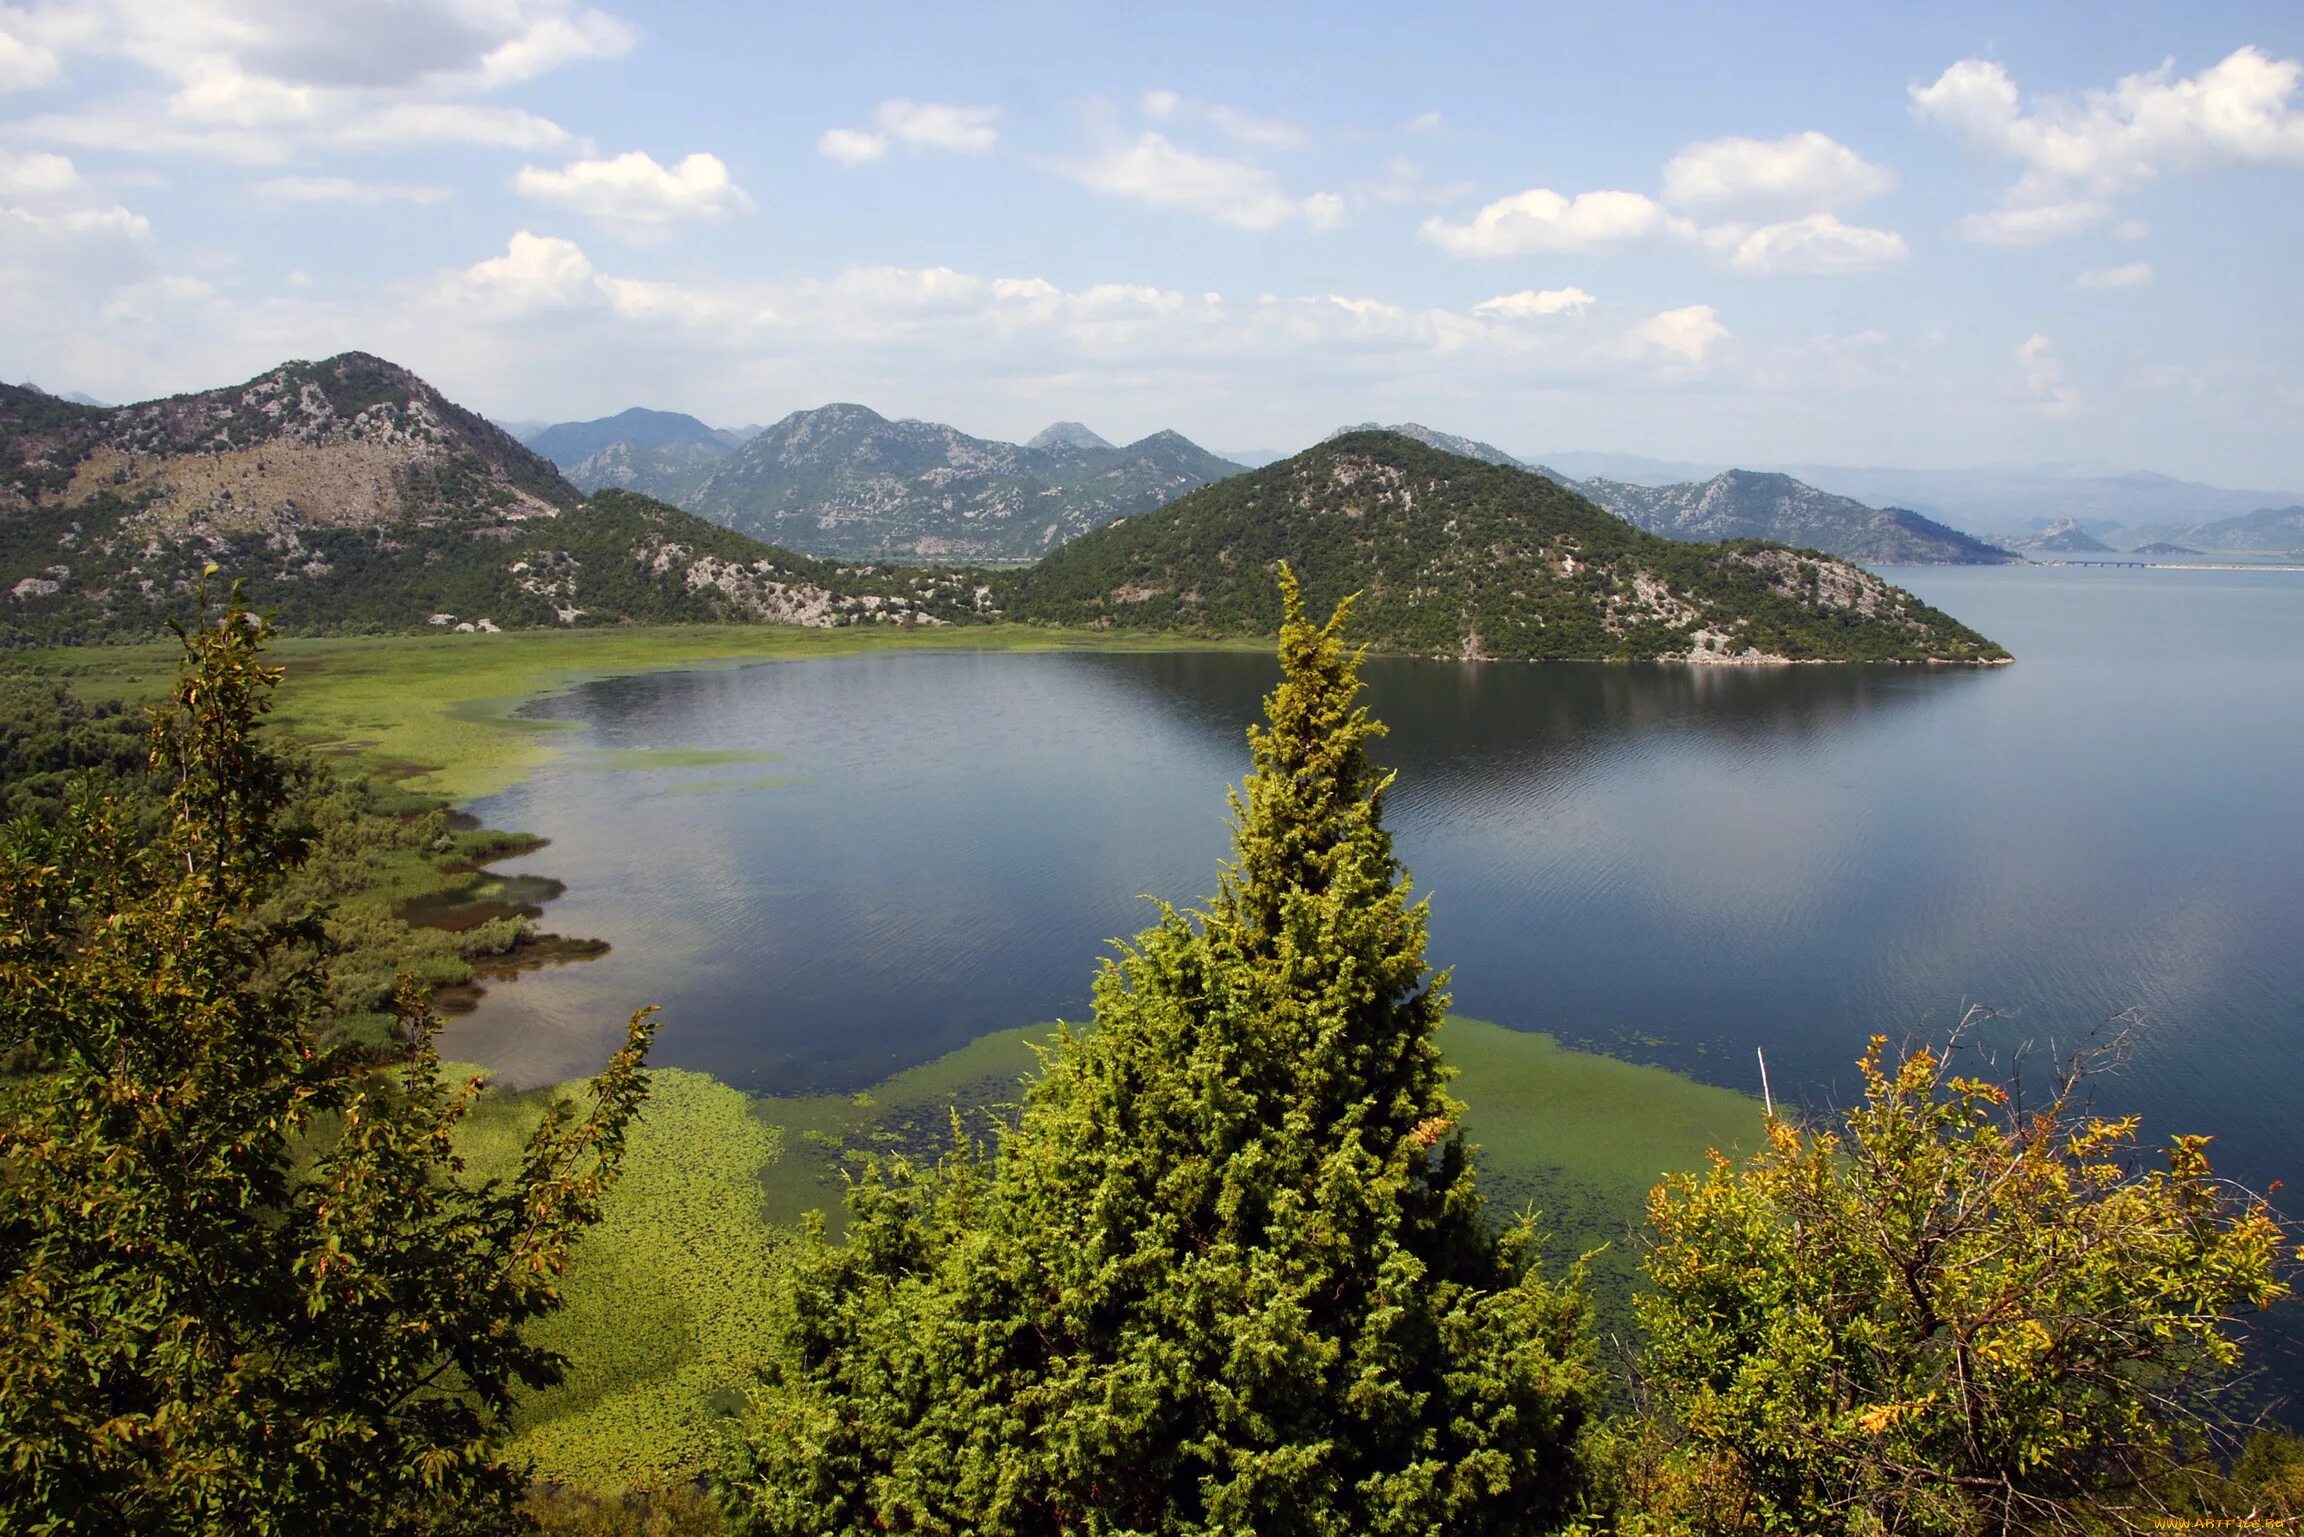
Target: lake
[829,870]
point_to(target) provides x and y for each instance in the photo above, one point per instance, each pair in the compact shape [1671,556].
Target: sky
[1872,234]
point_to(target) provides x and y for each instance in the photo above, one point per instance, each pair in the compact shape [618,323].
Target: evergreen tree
[242,1289]
[1229,1271]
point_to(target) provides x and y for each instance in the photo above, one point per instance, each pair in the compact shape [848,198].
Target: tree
[1228,1271]
[1950,1314]
[242,1288]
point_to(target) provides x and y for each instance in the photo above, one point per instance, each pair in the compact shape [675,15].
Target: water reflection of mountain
[1454,710]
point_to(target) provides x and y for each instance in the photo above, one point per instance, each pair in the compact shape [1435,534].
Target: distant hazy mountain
[1462,558]
[1066,435]
[2163,547]
[2265,529]
[1447,443]
[2063,537]
[570,443]
[1253,458]
[1743,504]
[1988,500]
[845,481]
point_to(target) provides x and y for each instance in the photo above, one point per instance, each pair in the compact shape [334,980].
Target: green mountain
[1459,558]
[663,454]
[350,495]
[846,482]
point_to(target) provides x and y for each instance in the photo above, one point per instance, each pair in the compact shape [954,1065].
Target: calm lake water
[1676,864]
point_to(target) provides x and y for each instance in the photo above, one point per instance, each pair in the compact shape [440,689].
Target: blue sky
[1880,234]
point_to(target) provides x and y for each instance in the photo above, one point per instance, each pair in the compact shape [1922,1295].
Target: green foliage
[1228,1271]
[50,737]
[241,1289]
[1949,1315]
[1453,557]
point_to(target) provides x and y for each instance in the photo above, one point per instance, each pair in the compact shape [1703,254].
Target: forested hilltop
[1456,557]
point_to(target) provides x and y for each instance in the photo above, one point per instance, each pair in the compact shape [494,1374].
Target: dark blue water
[1678,864]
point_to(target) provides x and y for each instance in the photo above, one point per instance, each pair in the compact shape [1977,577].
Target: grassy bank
[666,1297]
[439,710]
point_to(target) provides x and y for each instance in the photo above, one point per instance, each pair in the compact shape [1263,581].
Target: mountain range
[844,481]
[1743,504]
[349,494]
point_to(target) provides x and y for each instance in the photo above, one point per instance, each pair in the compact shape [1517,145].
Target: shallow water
[1677,864]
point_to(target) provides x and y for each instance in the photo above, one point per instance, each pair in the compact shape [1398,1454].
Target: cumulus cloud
[2044,379]
[917,126]
[633,196]
[260,81]
[36,175]
[1530,304]
[2080,153]
[2113,279]
[1801,173]
[343,189]
[1151,170]
[1817,246]
[1688,332]
[1541,222]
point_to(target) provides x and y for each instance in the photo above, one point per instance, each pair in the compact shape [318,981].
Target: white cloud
[632,195]
[343,189]
[2131,229]
[36,175]
[536,272]
[2044,379]
[917,126]
[23,63]
[79,223]
[1422,122]
[2081,152]
[1817,246]
[1152,170]
[1801,173]
[1541,222]
[552,41]
[1241,127]
[453,123]
[1529,304]
[260,81]
[2033,213]
[2112,279]
[852,146]
[1688,332]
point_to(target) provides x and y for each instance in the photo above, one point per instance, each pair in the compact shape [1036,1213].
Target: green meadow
[441,710]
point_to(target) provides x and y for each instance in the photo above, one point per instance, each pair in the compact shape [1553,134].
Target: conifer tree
[1228,1272]
[242,1287]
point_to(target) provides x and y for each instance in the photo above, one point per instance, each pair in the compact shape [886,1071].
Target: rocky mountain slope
[1743,504]
[1449,443]
[2065,536]
[349,494]
[847,482]
[1460,558]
